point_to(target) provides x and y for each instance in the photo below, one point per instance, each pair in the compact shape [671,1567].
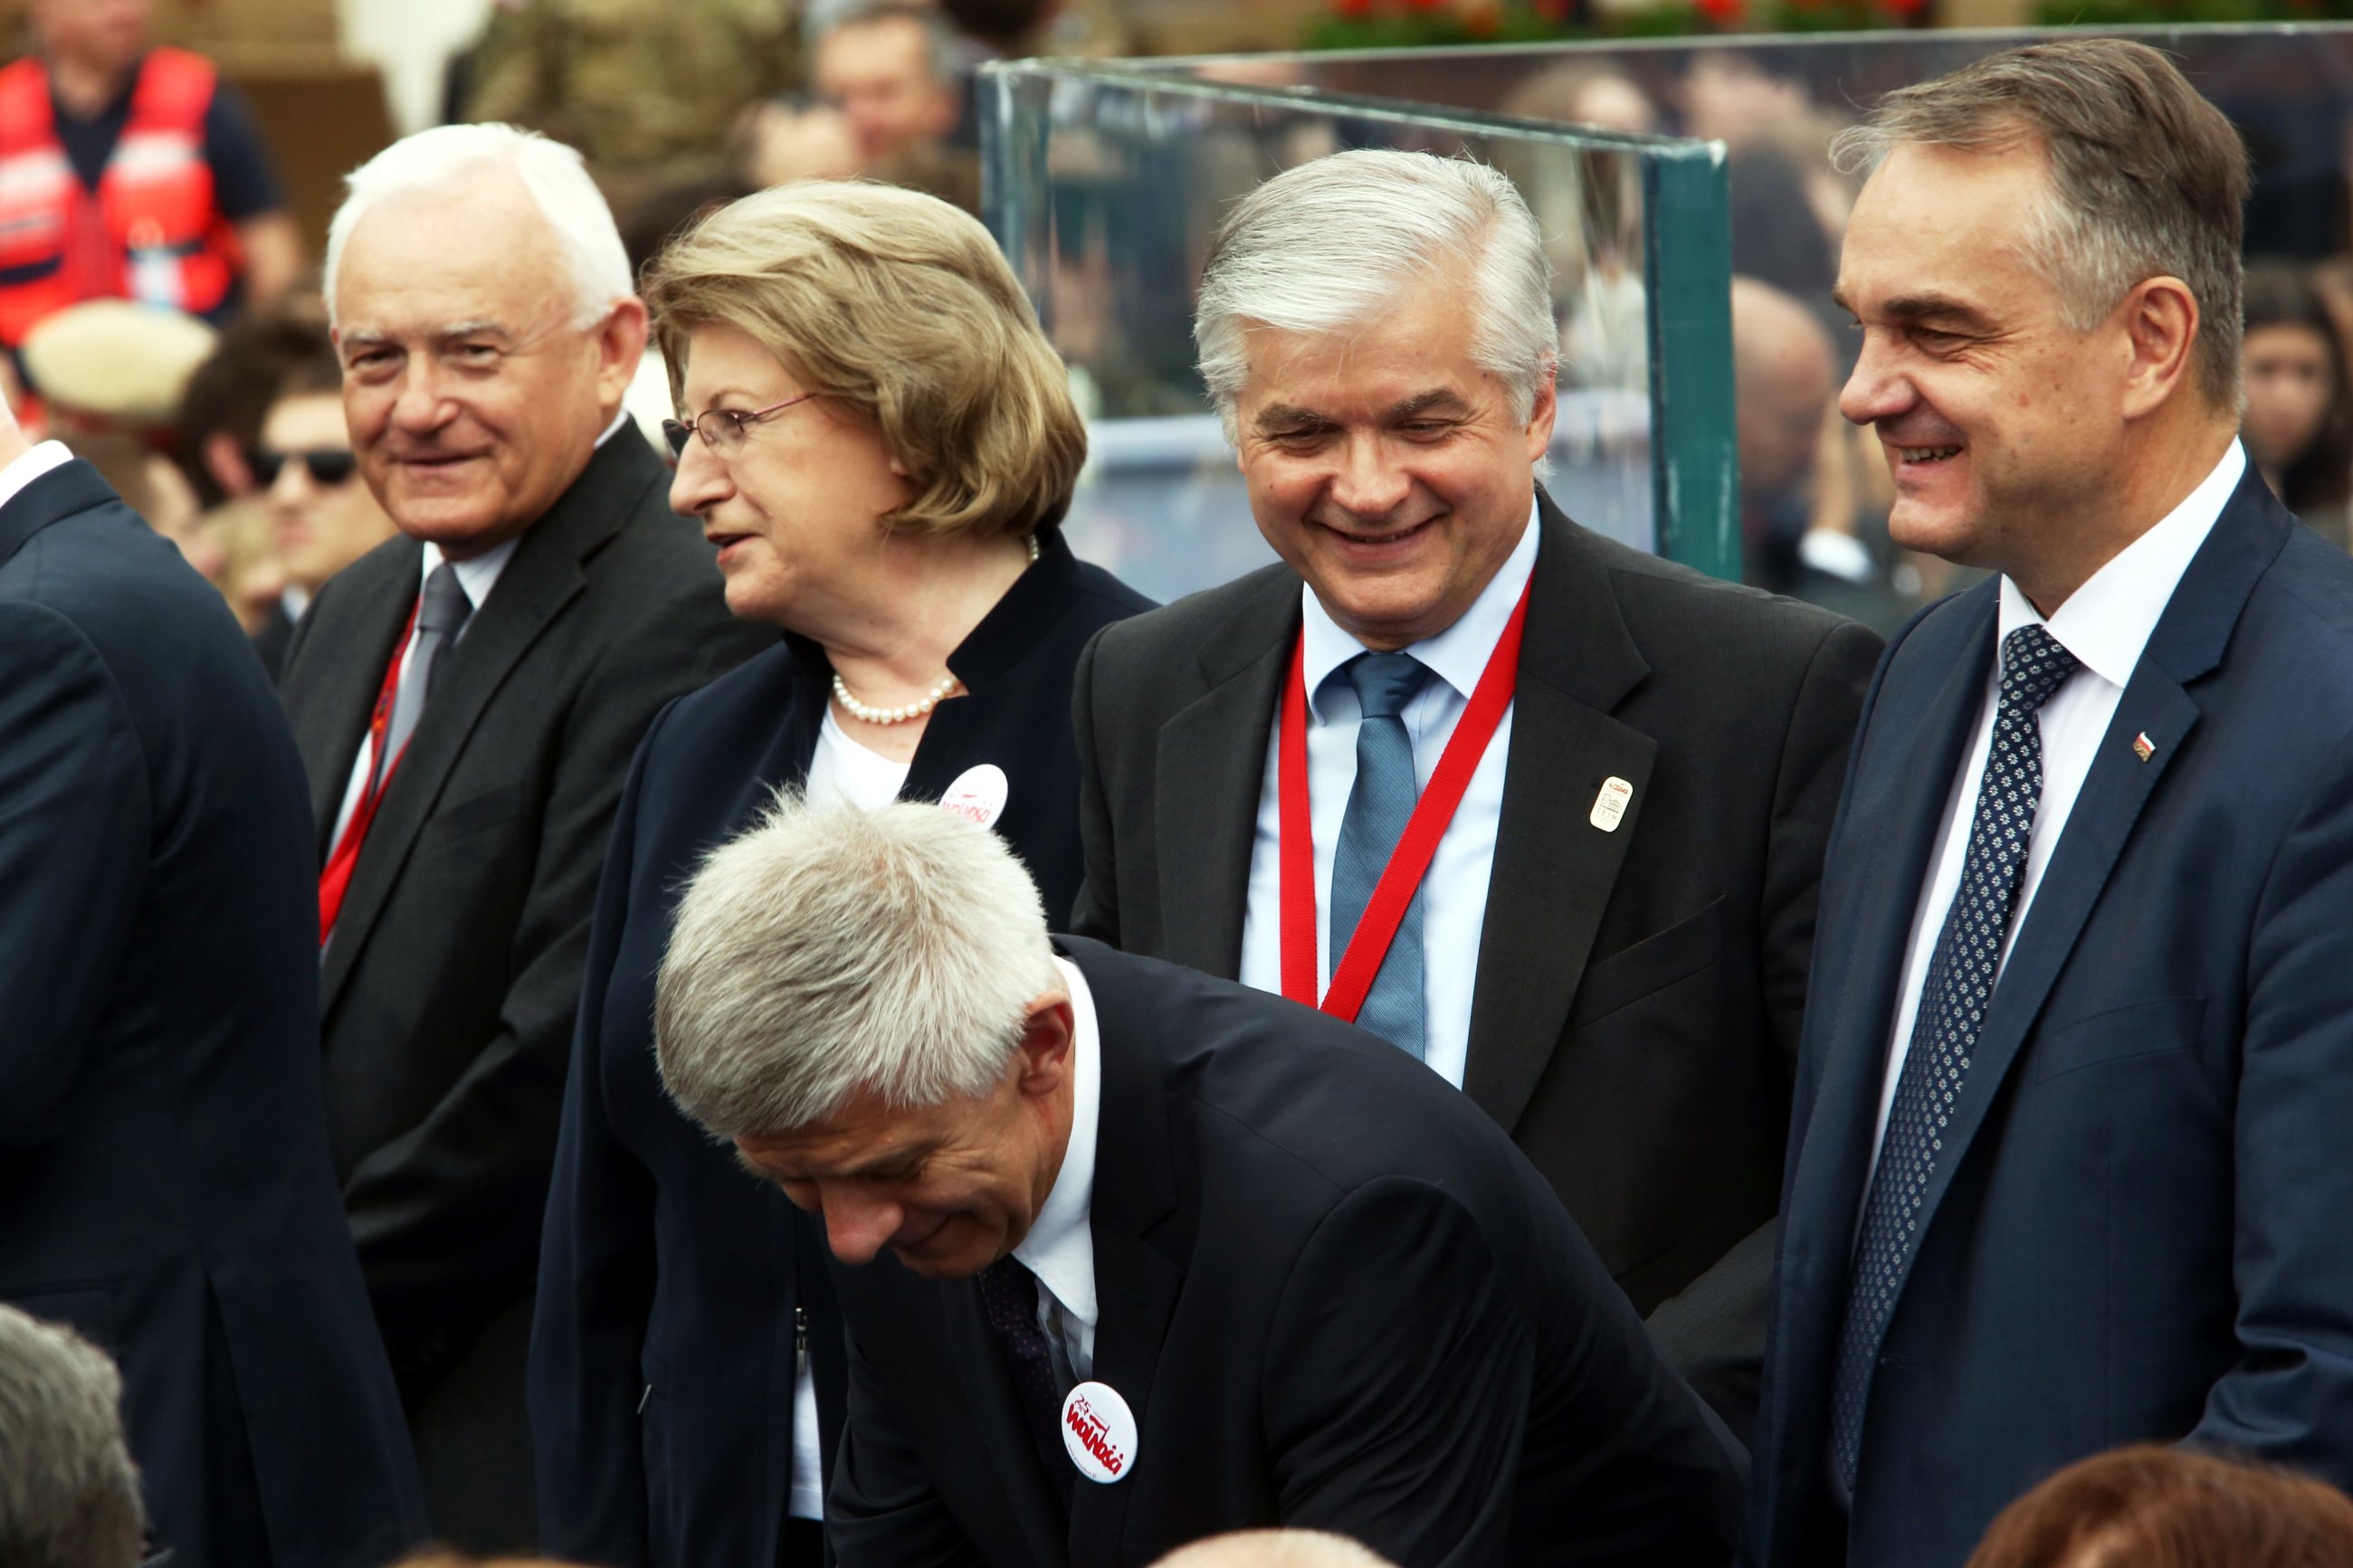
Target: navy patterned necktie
[1953,1003]
[1378,805]
[1009,1300]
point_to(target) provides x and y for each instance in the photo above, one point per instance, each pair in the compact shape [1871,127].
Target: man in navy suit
[165,1183]
[2068,1169]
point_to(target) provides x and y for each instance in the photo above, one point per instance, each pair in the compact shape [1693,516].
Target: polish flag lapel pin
[2143,747]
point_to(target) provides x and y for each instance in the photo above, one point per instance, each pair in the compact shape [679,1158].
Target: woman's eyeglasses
[723,430]
[326,466]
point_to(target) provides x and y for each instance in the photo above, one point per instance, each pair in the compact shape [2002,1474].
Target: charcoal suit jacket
[448,991]
[2137,1230]
[1635,1022]
[164,1182]
[1331,1294]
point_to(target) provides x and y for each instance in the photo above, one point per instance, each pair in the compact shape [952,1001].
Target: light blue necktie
[1378,805]
[1953,1003]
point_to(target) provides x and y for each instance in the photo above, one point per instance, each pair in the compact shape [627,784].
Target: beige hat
[116,361]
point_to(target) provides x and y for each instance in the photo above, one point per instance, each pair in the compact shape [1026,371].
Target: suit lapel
[544,575]
[333,722]
[1895,827]
[2187,644]
[1553,869]
[1135,1282]
[996,1405]
[1031,611]
[54,496]
[1208,770]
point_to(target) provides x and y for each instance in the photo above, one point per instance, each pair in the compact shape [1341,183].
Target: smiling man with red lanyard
[1544,811]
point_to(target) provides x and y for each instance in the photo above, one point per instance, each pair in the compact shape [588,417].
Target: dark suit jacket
[2138,1230]
[672,1285]
[1635,1023]
[1333,1296]
[449,987]
[164,1184]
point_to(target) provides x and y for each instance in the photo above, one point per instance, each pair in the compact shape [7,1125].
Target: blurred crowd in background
[185,352]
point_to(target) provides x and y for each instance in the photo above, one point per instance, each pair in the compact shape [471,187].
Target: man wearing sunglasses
[322,516]
[466,698]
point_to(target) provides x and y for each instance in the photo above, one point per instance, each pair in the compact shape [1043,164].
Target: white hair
[1330,245]
[829,951]
[68,1492]
[554,176]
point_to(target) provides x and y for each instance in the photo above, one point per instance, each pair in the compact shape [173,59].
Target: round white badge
[1099,1430]
[978,794]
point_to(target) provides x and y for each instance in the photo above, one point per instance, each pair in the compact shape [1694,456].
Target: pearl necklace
[865,715]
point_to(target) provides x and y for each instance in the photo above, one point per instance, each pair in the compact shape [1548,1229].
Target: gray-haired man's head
[1377,329]
[69,1492]
[867,1006]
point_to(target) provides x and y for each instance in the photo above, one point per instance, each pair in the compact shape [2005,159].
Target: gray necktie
[440,616]
[1383,799]
[1953,1002]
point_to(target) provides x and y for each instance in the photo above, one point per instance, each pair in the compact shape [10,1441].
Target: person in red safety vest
[131,173]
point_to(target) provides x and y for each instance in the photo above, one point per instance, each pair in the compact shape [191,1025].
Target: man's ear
[621,344]
[1048,1033]
[2160,322]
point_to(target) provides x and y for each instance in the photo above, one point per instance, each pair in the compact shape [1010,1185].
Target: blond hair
[898,307]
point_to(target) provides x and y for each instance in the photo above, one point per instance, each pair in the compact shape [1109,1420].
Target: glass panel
[1814,523]
[1105,185]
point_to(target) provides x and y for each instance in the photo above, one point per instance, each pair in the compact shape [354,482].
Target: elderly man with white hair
[1545,812]
[466,698]
[1130,1256]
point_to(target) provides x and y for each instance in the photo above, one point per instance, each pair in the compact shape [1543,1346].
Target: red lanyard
[1353,974]
[337,877]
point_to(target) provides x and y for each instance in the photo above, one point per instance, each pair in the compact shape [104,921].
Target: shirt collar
[31,465]
[2107,622]
[1458,655]
[479,574]
[1061,1246]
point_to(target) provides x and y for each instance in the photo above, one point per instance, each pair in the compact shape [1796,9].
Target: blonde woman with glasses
[879,444]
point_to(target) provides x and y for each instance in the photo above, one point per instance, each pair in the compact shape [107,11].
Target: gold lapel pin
[2143,747]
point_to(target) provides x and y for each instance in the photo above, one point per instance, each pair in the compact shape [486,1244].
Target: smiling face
[2004,427]
[1385,468]
[795,510]
[948,1189]
[473,401]
[321,528]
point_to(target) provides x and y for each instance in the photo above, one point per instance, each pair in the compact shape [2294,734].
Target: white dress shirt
[2106,623]
[1060,1251]
[1454,890]
[30,466]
